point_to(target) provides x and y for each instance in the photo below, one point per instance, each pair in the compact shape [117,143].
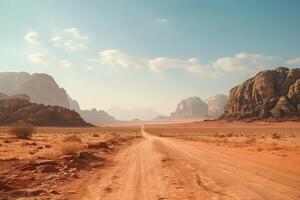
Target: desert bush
[72,138]
[69,148]
[22,130]
[250,141]
[276,136]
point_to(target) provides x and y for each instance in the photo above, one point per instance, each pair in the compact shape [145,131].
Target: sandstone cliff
[191,107]
[269,94]
[41,88]
[216,105]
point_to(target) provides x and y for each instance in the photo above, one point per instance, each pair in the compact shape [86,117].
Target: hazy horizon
[148,54]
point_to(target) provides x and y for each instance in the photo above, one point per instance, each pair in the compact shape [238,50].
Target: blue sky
[135,53]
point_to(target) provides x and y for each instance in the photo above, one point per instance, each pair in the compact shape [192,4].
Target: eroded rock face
[216,105]
[269,94]
[191,107]
[20,110]
[41,88]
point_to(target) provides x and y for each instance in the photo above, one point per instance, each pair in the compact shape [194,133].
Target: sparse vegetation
[250,140]
[240,135]
[69,148]
[72,138]
[22,130]
[276,136]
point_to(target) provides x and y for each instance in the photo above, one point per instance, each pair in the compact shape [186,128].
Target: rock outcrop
[216,105]
[269,94]
[20,110]
[41,88]
[191,107]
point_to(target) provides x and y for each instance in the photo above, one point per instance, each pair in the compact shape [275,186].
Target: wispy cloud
[241,62]
[294,61]
[40,58]
[118,59]
[70,39]
[32,38]
[162,20]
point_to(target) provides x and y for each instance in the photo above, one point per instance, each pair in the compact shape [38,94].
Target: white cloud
[76,33]
[116,58]
[40,58]
[70,39]
[32,38]
[163,63]
[162,20]
[295,61]
[239,63]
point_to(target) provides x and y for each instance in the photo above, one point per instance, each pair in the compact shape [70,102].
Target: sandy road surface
[166,168]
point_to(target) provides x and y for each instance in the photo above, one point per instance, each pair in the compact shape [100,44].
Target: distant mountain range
[140,113]
[93,116]
[270,94]
[195,107]
[42,88]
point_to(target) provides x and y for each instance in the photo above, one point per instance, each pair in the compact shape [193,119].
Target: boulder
[100,145]
[48,169]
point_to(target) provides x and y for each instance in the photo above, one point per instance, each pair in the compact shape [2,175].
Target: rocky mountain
[41,88]
[269,94]
[216,105]
[92,116]
[142,113]
[74,105]
[96,116]
[20,110]
[191,107]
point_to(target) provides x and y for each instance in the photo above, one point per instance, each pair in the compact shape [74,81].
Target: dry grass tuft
[250,141]
[276,136]
[72,138]
[22,130]
[69,148]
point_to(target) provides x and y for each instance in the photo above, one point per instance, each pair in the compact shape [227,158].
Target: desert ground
[195,160]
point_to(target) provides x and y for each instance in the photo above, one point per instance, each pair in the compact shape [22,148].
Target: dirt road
[166,168]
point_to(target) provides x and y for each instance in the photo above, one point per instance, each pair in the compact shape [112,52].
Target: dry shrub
[276,136]
[71,144]
[250,141]
[69,148]
[72,138]
[22,130]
